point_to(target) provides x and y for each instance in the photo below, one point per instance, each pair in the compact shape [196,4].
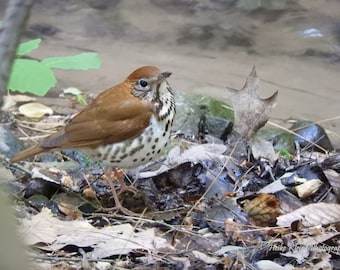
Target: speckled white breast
[145,148]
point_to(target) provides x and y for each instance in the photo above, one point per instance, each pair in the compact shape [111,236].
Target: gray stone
[9,144]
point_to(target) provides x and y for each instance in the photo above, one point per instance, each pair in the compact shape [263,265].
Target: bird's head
[149,82]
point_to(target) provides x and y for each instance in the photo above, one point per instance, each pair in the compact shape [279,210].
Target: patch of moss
[219,108]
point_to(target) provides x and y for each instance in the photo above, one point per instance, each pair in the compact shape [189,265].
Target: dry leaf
[194,154]
[317,239]
[263,209]
[44,174]
[23,98]
[312,215]
[106,242]
[8,103]
[122,239]
[334,180]
[251,112]
[308,188]
[35,110]
[269,265]
[301,253]
[265,149]
[230,226]
[229,249]
[67,181]
[70,211]
[204,257]
[39,229]
[104,265]
[273,187]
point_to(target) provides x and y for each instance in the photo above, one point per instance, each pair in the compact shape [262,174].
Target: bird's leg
[118,205]
[120,175]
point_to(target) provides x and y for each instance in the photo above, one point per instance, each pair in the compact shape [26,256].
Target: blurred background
[295,46]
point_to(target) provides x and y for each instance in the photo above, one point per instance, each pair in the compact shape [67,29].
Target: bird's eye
[143,83]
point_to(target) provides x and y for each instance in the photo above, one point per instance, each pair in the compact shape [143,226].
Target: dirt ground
[206,44]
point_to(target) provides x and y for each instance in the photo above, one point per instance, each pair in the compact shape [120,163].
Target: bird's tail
[29,152]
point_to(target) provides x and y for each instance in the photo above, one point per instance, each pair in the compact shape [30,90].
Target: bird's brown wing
[114,116]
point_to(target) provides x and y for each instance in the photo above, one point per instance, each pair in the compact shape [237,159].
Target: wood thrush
[125,126]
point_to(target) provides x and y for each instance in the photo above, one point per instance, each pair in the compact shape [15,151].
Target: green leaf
[81,99]
[28,46]
[284,153]
[31,76]
[80,61]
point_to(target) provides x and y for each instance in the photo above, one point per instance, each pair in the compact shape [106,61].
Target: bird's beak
[163,76]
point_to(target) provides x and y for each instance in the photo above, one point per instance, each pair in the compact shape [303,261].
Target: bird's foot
[118,206]
[119,175]
[125,188]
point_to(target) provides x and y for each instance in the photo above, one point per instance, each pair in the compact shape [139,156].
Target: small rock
[9,144]
[218,127]
[312,133]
